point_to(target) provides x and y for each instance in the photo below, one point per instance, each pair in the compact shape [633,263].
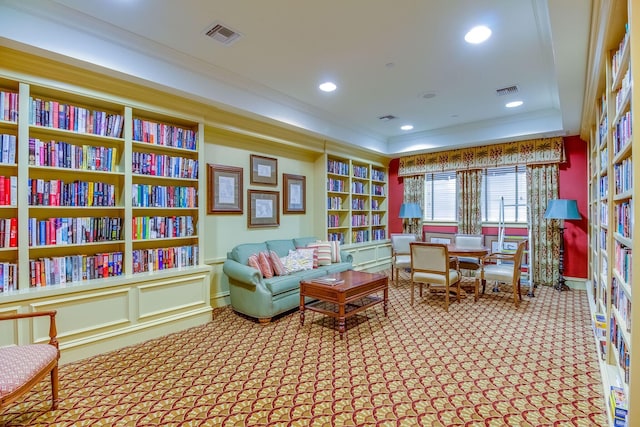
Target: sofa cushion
[336,267]
[301,242]
[242,252]
[281,247]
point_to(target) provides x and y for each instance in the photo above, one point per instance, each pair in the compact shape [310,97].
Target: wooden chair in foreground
[24,366]
[431,265]
[506,271]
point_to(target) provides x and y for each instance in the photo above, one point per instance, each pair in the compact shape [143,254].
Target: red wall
[572,185]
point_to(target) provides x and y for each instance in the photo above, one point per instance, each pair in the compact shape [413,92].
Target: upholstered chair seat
[23,366]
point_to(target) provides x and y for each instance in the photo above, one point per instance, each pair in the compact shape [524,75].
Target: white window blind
[440,196]
[509,183]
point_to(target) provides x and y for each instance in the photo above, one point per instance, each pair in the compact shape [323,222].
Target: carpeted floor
[480,364]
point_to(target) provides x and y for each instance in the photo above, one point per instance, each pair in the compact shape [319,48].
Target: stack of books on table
[328,281]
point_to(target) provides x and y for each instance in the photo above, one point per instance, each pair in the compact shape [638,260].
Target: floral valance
[532,151]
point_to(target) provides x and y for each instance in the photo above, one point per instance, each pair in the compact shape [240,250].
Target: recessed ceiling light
[513,104]
[477,34]
[328,87]
[406,127]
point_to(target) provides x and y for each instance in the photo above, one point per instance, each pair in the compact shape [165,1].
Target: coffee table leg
[384,301]
[301,310]
[342,324]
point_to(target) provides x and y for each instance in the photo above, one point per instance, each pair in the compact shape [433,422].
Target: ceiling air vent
[222,33]
[387,117]
[510,90]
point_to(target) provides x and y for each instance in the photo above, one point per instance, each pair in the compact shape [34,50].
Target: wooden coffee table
[353,292]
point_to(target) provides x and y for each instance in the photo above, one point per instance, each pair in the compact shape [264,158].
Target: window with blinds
[508,184]
[440,196]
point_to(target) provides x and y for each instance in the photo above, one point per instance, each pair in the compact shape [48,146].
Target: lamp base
[561,286]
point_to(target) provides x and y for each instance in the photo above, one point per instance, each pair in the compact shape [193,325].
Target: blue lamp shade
[562,209]
[410,210]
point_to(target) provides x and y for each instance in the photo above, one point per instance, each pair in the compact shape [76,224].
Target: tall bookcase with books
[99,213]
[612,214]
[8,184]
[356,200]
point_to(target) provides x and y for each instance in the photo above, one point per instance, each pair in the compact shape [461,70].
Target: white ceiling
[384,56]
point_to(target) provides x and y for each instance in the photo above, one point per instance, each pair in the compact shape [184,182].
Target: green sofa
[253,295]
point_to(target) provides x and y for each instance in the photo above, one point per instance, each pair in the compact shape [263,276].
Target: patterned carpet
[480,364]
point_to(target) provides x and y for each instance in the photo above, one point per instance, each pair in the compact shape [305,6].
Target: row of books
[9,232]
[8,190]
[146,195]
[358,187]
[8,277]
[335,185]
[337,167]
[159,227]
[621,302]
[620,347]
[73,231]
[162,165]
[8,106]
[358,204]
[360,236]
[56,192]
[623,261]
[336,237]
[377,190]
[359,220]
[379,233]
[8,149]
[622,133]
[623,176]
[164,134]
[149,260]
[624,218]
[333,220]
[377,175]
[58,115]
[360,171]
[62,154]
[334,202]
[74,268]
[616,59]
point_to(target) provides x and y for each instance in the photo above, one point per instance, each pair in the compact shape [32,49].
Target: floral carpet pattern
[481,364]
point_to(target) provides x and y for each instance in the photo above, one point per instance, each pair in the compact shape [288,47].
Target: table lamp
[410,212]
[562,209]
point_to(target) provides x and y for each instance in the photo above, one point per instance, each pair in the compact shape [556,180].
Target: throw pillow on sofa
[323,250]
[335,249]
[277,265]
[252,261]
[265,265]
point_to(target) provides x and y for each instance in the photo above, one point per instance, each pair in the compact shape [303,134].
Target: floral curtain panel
[542,185]
[533,151]
[469,183]
[414,193]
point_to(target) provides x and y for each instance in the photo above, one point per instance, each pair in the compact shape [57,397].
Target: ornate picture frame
[264,170]
[264,208]
[224,189]
[294,193]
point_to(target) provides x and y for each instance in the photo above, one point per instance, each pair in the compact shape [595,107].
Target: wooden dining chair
[400,253]
[431,266]
[503,268]
[25,365]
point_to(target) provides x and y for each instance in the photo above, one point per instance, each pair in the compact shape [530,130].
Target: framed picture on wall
[264,208]
[295,193]
[264,170]
[224,185]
